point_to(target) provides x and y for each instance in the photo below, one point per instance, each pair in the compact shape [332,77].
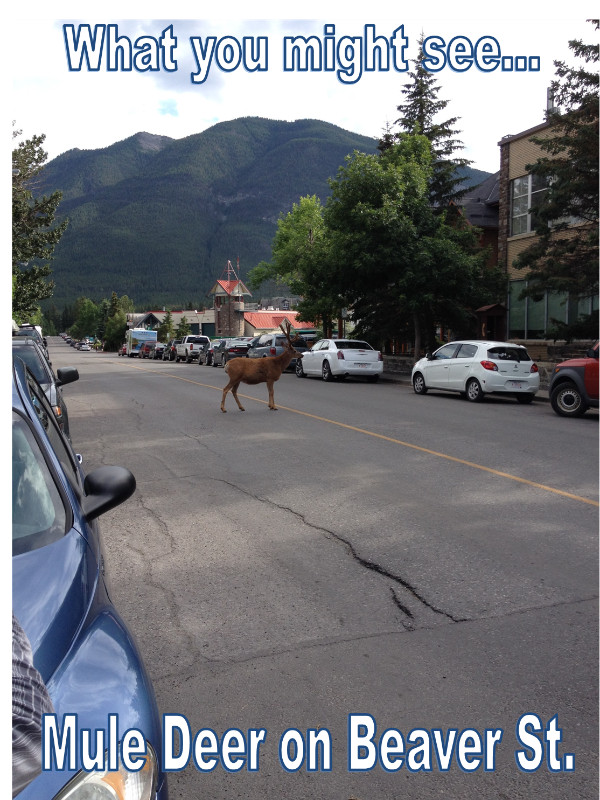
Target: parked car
[85,346]
[227,349]
[31,354]
[340,358]
[189,348]
[33,333]
[147,350]
[273,344]
[170,351]
[206,354]
[476,368]
[574,385]
[81,646]
[159,350]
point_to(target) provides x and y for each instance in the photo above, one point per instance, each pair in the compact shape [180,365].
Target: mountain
[158,218]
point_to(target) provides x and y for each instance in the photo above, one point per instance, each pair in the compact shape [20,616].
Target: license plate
[361,365]
[516,384]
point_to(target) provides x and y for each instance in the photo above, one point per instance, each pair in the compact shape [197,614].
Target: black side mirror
[592,353]
[429,356]
[105,488]
[66,375]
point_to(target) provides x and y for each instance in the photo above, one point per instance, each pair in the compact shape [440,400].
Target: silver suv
[273,344]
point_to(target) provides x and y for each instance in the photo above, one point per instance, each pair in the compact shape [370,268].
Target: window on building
[526,194]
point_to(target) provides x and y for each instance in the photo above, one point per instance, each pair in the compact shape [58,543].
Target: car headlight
[120,784]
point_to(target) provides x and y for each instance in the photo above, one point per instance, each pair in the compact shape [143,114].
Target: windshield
[504,353]
[29,355]
[38,513]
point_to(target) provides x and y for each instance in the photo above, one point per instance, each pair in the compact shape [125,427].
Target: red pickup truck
[574,384]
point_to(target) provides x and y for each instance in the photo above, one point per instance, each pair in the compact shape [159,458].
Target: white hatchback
[476,368]
[338,358]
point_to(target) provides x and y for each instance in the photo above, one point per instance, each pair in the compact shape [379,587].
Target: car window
[30,356]
[467,351]
[61,449]
[507,353]
[447,351]
[38,512]
[353,345]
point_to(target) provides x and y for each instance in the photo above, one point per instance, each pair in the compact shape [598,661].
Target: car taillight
[191,346]
[273,351]
[340,355]
[491,365]
[534,368]
[380,356]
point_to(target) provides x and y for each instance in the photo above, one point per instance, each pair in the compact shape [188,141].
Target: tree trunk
[417,324]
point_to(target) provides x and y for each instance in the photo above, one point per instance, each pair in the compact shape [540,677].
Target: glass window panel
[557,306]
[516,317]
[536,318]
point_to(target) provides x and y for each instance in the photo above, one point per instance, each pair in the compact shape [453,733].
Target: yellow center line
[391,439]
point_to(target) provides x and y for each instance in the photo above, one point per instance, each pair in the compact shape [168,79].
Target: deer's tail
[226,367]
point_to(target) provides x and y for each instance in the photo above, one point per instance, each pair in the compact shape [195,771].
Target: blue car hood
[53,588]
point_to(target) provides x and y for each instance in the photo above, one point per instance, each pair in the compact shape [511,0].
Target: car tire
[188,360]
[524,399]
[567,400]
[326,372]
[299,371]
[419,384]
[474,391]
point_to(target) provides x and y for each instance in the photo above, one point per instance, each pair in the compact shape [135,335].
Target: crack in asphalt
[367,563]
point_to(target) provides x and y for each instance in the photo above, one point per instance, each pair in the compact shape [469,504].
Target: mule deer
[259,370]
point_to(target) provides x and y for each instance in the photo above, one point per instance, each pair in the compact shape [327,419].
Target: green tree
[559,261]
[87,317]
[165,330]
[396,262]
[114,333]
[34,232]
[183,328]
[419,114]
[301,260]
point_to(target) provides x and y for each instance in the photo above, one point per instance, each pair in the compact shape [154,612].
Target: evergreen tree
[419,114]
[34,234]
[165,330]
[568,262]
[183,328]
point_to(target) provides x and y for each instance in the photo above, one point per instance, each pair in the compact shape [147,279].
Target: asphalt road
[423,562]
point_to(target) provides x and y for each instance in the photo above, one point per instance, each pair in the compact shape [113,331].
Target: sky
[90,108]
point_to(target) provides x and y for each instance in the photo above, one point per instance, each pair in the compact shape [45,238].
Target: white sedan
[338,358]
[476,368]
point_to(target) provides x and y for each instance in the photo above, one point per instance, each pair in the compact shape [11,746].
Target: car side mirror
[429,356]
[105,488]
[592,353]
[66,375]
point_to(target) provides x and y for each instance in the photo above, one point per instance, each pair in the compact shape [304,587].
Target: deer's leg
[272,405]
[234,389]
[225,390]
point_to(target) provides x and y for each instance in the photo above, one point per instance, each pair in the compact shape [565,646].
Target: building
[520,194]
[229,294]
[229,317]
